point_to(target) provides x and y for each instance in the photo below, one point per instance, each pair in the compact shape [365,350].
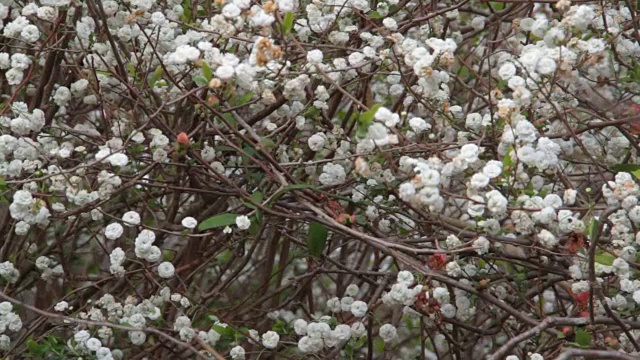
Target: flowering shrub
[329,179]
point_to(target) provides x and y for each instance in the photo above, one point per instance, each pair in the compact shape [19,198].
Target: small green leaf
[267,144]
[604,258]
[200,81]
[287,24]
[583,338]
[157,75]
[365,120]
[628,168]
[206,71]
[218,221]
[591,229]
[244,99]
[367,116]
[317,238]
[256,197]
[375,15]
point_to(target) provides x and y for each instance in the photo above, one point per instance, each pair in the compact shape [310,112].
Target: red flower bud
[183,138]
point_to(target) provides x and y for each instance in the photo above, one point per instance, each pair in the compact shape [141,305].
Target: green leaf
[287,24]
[367,116]
[200,80]
[256,197]
[583,338]
[375,15]
[317,238]
[604,258]
[218,221]
[206,71]
[628,168]
[244,99]
[591,229]
[365,120]
[157,75]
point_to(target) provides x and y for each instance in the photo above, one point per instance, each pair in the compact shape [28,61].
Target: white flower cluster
[318,335]
[46,265]
[9,320]
[403,292]
[144,247]
[28,211]
[424,186]
[116,259]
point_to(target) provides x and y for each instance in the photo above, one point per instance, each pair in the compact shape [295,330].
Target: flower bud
[183,138]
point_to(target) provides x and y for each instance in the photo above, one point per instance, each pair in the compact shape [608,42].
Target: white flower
[352,290]
[387,332]
[342,332]
[405,277]
[81,336]
[481,245]
[318,330]
[535,356]
[118,159]
[418,125]
[183,54]
[14,76]
[166,270]
[93,344]
[390,24]
[61,306]
[547,239]
[225,72]
[448,311]
[314,57]
[137,337]
[300,327]
[189,222]
[359,308]
[231,11]
[507,70]
[30,33]
[113,231]
[477,23]
[237,353]
[492,169]
[569,196]
[316,141]
[390,119]
[546,66]
[332,174]
[310,345]
[270,339]
[243,222]
[479,181]
[131,218]
[469,153]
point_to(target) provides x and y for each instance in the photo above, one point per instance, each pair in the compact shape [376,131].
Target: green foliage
[206,71]
[217,221]
[583,337]
[365,120]
[287,24]
[317,238]
[157,75]
[628,168]
[50,348]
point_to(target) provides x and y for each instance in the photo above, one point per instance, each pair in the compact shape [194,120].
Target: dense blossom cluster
[322,178]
